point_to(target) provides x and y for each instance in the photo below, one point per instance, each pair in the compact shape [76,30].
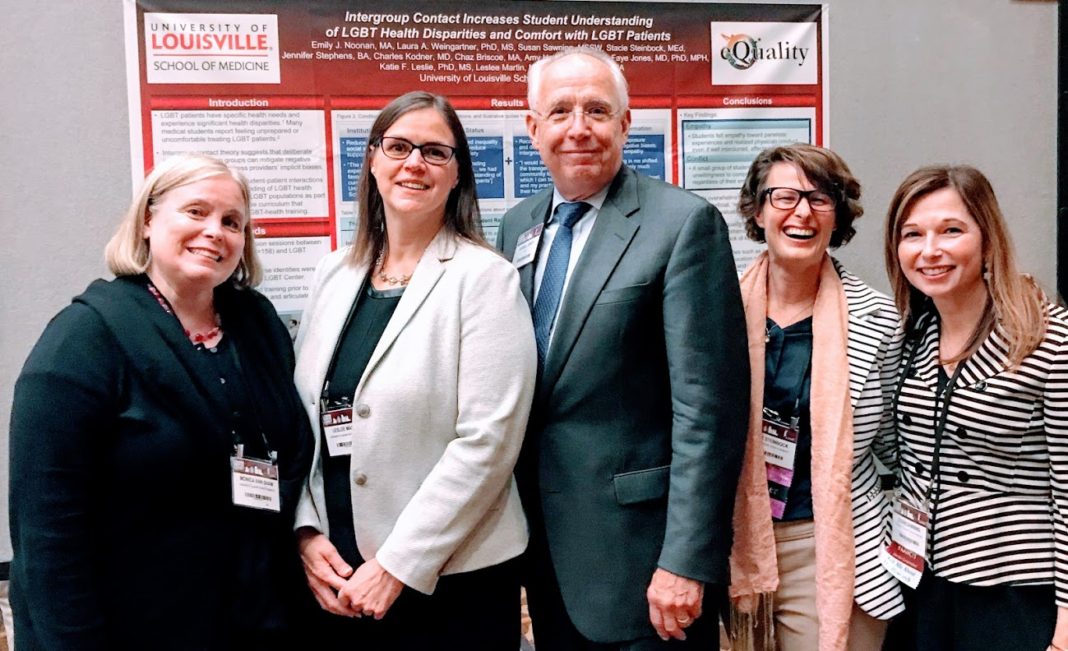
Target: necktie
[552,280]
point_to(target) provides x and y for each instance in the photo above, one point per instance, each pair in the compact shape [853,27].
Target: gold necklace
[386,278]
[789,321]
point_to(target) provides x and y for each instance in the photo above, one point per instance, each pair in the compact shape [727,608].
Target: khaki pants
[796,619]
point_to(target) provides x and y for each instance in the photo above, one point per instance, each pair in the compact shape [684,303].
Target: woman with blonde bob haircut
[981,410]
[127,252]
[157,441]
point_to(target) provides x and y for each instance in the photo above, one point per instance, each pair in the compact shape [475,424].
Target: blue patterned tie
[552,280]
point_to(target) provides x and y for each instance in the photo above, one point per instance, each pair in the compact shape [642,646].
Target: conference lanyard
[335,415]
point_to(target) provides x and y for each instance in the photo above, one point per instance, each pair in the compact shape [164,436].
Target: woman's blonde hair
[127,252]
[1018,303]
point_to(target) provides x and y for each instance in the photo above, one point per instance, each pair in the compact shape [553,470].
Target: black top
[371,313]
[124,531]
[787,382]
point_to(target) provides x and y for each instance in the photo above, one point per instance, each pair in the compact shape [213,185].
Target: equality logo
[740,50]
[764,53]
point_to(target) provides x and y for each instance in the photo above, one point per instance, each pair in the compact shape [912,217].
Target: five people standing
[609,354]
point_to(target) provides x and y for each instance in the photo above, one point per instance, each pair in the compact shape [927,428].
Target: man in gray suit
[637,432]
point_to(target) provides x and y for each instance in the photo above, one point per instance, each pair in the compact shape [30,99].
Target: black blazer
[637,430]
[122,524]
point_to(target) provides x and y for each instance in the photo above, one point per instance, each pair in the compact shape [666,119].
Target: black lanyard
[941,417]
[272,454]
[324,396]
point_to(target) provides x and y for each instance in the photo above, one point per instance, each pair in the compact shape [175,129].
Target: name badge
[255,484]
[905,555]
[780,449]
[337,429]
[526,246]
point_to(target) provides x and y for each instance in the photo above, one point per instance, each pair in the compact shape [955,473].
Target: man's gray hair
[538,67]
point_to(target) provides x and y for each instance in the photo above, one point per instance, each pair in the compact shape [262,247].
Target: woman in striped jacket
[982,416]
[810,517]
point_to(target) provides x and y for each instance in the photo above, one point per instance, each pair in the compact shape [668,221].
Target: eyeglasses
[559,115]
[788,198]
[434,153]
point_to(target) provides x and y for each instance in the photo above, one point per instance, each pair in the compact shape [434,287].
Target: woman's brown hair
[462,215]
[1018,304]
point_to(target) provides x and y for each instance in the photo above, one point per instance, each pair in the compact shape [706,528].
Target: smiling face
[413,188]
[195,234]
[940,250]
[797,238]
[582,155]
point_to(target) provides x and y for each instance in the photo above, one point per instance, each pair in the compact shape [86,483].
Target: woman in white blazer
[416,362]
[982,416]
[811,518]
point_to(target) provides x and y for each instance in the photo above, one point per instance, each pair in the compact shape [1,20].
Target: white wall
[912,82]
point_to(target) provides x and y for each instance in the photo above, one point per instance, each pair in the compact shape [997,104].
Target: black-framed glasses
[434,153]
[788,198]
[559,115]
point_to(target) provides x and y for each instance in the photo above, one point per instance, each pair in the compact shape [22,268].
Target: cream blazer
[439,413]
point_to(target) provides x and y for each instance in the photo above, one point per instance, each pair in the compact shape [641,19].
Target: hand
[324,569]
[370,591]
[674,603]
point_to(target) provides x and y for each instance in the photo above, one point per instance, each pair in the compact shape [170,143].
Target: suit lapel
[612,233]
[427,273]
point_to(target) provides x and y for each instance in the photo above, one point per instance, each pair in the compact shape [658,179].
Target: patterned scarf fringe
[754,631]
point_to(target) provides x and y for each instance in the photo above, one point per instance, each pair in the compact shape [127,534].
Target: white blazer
[439,413]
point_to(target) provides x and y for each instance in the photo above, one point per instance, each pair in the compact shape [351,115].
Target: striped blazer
[874,344]
[1001,496]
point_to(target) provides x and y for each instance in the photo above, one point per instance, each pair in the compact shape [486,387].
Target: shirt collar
[596,201]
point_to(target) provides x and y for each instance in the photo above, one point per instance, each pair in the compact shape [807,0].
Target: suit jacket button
[918,468]
[962,433]
[981,386]
[362,410]
[905,418]
[360,479]
[963,476]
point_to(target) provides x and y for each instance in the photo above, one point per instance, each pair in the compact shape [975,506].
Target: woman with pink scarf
[810,517]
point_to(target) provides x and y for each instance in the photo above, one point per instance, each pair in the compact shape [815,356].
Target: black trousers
[476,611]
[945,616]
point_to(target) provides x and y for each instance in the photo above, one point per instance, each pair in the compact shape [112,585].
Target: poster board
[287,93]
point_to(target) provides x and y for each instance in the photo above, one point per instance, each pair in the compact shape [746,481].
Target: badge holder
[255,481]
[780,450]
[335,417]
[904,557]
[527,246]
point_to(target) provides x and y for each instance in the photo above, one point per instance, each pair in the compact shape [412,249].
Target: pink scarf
[754,570]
